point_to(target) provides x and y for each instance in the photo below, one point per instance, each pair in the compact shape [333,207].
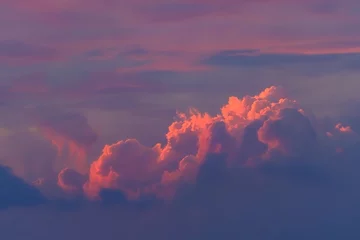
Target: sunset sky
[179,119]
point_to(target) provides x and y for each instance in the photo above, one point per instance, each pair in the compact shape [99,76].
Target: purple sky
[88,89]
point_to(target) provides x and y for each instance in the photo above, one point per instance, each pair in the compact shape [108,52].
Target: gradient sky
[81,80]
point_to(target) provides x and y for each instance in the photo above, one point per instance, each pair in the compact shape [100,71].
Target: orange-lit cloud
[248,130]
[344,129]
[258,153]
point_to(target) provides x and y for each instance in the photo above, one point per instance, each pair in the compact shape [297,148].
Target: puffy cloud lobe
[289,132]
[183,135]
[71,181]
[248,131]
[124,165]
[16,192]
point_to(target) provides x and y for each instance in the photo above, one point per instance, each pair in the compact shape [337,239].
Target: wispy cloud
[254,58]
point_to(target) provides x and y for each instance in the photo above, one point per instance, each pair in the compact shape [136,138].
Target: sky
[179,119]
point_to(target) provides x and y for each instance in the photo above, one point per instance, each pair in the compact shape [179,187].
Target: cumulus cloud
[71,181]
[249,132]
[124,165]
[290,132]
[260,169]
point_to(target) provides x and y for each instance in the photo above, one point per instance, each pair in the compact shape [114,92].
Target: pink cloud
[284,131]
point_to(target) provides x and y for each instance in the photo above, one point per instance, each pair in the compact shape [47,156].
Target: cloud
[123,165]
[254,58]
[15,192]
[16,49]
[29,155]
[138,170]
[71,181]
[250,131]
[255,169]
[69,132]
[290,133]
[261,168]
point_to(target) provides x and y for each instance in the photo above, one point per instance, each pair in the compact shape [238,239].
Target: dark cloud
[251,147]
[110,196]
[29,155]
[273,201]
[328,7]
[95,53]
[291,133]
[138,51]
[15,192]
[276,200]
[71,181]
[253,58]
[18,49]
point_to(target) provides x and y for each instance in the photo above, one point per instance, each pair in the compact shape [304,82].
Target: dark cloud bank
[16,192]
[326,62]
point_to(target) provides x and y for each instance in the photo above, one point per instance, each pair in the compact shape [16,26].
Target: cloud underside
[16,192]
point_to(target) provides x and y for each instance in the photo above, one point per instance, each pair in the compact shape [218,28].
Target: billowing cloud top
[250,132]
